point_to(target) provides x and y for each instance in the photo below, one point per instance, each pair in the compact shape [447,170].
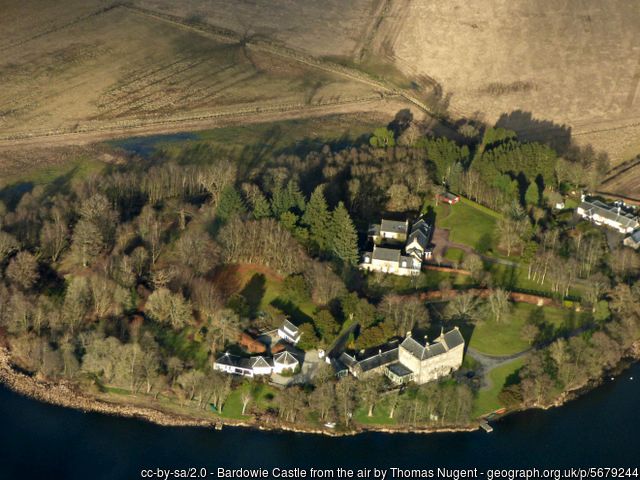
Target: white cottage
[285,362]
[248,367]
[289,332]
[611,215]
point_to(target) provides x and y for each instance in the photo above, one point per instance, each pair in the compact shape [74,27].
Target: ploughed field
[85,66]
[575,63]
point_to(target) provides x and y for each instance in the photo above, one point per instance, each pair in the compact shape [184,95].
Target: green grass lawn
[505,338]
[78,168]
[268,292]
[468,223]
[511,277]
[263,397]
[487,400]
[54,177]
[427,280]
[380,415]
[255,142]
[454,254]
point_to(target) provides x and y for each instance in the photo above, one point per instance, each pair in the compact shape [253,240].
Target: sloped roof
[400,370]
[449,340]
[386,254]
[378,360]
[610,212]
[261,362]
[235,361]
[285,358]
[290,327]
[453,338]
[393,226]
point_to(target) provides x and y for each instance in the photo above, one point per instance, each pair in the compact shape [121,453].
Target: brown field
[560,70]
[106,68]
[572,62]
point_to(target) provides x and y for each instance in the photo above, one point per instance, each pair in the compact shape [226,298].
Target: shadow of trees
[532,129]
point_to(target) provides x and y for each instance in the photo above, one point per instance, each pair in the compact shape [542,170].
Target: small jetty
[485,426]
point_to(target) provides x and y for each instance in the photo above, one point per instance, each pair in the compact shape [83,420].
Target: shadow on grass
[253,292]
[296,315]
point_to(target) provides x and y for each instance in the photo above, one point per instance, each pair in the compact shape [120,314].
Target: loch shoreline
[67,394]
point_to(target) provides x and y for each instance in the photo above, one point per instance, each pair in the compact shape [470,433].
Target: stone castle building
[411,360]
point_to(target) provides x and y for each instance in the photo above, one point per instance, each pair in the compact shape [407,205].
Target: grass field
[454,254]
[257,141]
[262,395]
[505,338]
[468,223]
[266,289]
[487,400]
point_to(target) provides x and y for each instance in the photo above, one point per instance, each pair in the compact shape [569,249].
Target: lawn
[487,400]
[427,280]
[515,278]
[468,223]
[54,176]
[264,291]
[454,254]
[380,415]
[263,396]
[256,142]
[505,338]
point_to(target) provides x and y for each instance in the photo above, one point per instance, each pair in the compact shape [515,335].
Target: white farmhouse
[418,242]
[289,332]
[390,260]
[388,254]
[389,231]
[613,216]
[248,367]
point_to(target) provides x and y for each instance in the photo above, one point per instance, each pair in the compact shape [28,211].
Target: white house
[388,254]
[248,367]
[418,242]
[289,332]
[390,260]
[284,362]
[613,216]
[389,231]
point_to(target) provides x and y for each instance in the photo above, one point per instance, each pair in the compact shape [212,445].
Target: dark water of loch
[39,441]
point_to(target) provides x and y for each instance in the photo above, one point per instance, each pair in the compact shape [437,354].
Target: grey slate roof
[386,254]
[449,340]
[399,369]
[610,212]
[393,226]
[378,360]
[236,361]
[374,230]
[453,338]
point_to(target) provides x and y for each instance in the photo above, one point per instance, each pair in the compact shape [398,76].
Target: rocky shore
[67,394]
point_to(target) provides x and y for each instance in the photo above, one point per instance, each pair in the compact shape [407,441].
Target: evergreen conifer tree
[318,218]
[343,236]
